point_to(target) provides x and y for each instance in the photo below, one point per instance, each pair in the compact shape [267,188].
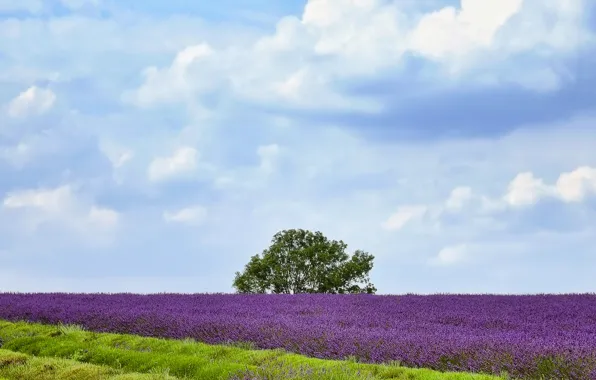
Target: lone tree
[300,261]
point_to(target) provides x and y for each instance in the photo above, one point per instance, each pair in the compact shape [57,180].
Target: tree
[300,261]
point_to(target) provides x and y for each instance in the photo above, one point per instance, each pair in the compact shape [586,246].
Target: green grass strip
[189,359]
[16,366]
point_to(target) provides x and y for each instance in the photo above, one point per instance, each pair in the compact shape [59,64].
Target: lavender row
[528,336]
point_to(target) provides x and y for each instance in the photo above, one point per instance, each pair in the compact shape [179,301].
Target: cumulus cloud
[482,33]
[576,185]
[365,33]
[450,31]
[177,82]
[182,162]
[573,186]
[193,215]
[33,101]
[198,71]
[49,200]
[525,189]
[300,64]
[60,204]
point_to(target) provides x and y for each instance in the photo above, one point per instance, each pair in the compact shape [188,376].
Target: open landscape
[180,181]
[523,337]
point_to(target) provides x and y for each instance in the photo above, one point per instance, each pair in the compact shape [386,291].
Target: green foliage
[300,261]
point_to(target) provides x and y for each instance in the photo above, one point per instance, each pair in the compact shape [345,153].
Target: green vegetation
[185,359]
[15,365]
[301,261]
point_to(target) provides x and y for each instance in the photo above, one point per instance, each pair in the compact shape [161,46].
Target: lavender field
[528,336]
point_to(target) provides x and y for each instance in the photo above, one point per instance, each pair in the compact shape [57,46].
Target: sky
[152,146]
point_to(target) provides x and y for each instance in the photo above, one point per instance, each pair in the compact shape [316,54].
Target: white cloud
[404,215]
[452,31]
[49,200]
[450,255]
[60,204]
[365,34]
[573,186]
[493,32]
[525,189]
[300,63]
[282,68]
[191,215]
[577,184]
[182,162]
[458,197]
[33,101]
[178,82]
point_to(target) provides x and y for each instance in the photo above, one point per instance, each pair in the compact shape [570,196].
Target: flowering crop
[553,336]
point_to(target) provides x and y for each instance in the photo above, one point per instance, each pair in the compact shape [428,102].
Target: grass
[16,365]
[71,346]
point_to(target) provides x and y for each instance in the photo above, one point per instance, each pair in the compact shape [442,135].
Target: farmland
[79,354]
[529,337]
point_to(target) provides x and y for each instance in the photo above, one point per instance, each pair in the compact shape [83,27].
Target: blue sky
[147,147]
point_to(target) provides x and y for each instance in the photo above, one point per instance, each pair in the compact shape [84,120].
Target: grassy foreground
[16,365]
[135,357]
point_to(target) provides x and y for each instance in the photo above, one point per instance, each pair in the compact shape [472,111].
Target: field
[16,365]
[104,354]
[528,337]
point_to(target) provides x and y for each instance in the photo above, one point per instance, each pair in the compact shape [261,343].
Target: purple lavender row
[527,336]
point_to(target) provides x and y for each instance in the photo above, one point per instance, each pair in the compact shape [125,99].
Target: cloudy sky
[154,146]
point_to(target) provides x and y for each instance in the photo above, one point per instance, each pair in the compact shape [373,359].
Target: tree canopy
[300,261]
